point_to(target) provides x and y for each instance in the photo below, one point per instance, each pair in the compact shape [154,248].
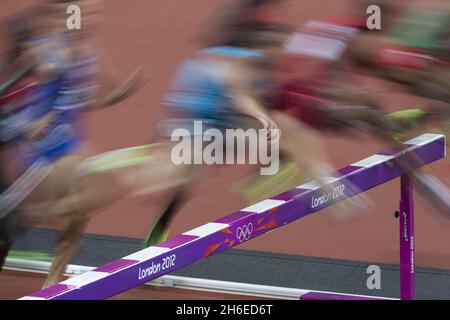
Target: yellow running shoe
[158,233]
[257,187]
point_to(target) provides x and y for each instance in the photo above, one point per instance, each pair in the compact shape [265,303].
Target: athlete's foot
[402,121]
[158,233]
[408,116]
[257,188]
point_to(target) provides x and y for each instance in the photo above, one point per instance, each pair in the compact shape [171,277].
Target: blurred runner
[221,84]
[319,97]
[44,123]
[224,86]
[414,50]
[411,49]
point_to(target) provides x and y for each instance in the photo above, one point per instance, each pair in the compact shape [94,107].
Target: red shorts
[299,101]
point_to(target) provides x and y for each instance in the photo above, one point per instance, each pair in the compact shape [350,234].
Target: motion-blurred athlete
[43,122]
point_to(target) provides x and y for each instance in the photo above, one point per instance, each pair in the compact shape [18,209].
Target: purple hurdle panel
[211,238]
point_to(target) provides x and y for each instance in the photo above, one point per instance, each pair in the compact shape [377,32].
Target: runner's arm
[112,90]
[245,97]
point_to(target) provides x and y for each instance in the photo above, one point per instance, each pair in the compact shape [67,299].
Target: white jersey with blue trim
[321,39]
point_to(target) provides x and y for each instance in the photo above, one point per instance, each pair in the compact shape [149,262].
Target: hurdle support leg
[406,238]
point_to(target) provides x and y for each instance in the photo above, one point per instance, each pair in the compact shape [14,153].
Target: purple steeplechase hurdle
[182,250]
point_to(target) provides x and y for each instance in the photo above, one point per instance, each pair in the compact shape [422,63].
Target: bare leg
[66,247]
[64,193]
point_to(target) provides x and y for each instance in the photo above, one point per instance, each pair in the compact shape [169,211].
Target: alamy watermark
[73,22]
[374,20]
[374,280]
[208,146]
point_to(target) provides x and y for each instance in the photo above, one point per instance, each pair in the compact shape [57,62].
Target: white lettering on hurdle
[337,193]
[167,263]
[147,272]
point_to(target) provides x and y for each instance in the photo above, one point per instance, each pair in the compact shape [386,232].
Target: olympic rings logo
[243,233]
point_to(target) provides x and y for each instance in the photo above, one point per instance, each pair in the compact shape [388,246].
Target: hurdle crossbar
[239,227]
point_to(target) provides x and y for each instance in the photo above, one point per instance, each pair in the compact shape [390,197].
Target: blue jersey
[199,90]
[70,89]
